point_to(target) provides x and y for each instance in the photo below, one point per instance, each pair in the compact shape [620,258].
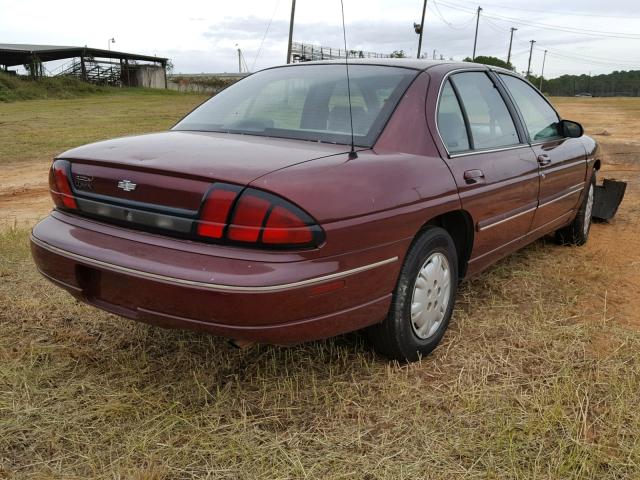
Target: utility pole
[293,14]
[529,64]
[544,59]
[475,39]
[434,53]
[510,43]
[424,9]
[239,61]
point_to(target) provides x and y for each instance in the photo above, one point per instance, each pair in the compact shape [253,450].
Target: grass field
[14,88]
[33,132]
[538,376]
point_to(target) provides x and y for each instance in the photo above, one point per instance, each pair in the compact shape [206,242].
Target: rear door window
[490,123]
[451,121]
[540,119]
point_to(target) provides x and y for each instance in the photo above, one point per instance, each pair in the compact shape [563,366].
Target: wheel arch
[459,224]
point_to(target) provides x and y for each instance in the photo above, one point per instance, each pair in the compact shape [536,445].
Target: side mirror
[570,129]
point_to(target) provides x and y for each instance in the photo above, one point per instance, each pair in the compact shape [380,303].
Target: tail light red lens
[215,212]
[248,218]
[285,227]
[256,217]
[60,186]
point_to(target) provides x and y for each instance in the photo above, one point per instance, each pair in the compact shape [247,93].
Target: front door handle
[543,159]
[472,177]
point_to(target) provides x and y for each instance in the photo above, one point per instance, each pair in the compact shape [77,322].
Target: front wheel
[423,300]
[577,232]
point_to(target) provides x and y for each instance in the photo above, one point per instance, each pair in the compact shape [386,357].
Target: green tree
[494,61]
[169,67]
[398,54]
[617,83]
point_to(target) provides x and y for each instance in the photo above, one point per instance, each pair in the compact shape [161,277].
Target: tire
[429,273]
[577,232]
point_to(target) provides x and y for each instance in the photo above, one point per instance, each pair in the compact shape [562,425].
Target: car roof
[413,63]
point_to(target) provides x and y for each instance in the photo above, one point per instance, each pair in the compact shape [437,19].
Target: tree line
[617,83]
[614,84]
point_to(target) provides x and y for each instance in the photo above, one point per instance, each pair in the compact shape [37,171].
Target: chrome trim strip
[211,286]
[574,189]
[577,189]
[527,235]
[548,140]
[490,150]
[561,166]
[499,222]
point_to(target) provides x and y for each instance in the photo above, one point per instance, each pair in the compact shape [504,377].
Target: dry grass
[33,132]
[523,386]
[39,129]
[538,377]
[13,88]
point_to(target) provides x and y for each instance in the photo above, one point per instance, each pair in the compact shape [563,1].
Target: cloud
[201,36]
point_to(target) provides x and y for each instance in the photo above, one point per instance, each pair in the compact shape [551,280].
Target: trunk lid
[175,169]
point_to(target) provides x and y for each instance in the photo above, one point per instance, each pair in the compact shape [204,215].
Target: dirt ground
[615,123]
[24,195]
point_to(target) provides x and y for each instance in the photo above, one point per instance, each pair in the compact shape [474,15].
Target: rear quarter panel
[386,194]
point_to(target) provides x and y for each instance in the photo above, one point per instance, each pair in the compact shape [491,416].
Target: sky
[586,36]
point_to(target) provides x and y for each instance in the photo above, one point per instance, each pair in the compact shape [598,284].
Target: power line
[589,58]
[575,30]
[449,24]
[593,33]
[561,12]
[588,61]
[567,56]
[496,28]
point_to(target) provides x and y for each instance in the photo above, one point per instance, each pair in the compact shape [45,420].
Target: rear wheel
[577,232]
[423,299]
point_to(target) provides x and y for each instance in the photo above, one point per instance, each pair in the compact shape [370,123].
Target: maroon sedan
[252,220]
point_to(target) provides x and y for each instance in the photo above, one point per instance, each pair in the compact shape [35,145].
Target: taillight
[256,217]
[248,218]
[60,186]
[285,227]
[215,211]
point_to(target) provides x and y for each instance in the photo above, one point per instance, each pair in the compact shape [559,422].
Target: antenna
[352,152]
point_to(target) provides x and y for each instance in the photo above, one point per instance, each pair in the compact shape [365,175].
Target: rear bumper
[273,297]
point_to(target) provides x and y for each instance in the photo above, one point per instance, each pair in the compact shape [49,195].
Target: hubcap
[588,211]
[430,298]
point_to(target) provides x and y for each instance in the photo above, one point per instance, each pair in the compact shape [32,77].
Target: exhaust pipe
[241,344]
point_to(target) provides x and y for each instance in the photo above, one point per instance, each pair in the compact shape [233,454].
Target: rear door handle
[472,177]
[543,159]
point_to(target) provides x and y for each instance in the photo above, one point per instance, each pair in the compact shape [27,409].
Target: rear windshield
[307,102]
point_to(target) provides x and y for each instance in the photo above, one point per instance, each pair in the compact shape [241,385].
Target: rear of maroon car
[167,228]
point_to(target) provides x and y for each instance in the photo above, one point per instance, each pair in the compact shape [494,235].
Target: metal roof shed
[33,56]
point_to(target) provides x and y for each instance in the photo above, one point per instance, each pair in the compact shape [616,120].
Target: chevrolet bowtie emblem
[127,185]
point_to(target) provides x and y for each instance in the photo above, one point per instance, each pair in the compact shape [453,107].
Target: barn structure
[104,67]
